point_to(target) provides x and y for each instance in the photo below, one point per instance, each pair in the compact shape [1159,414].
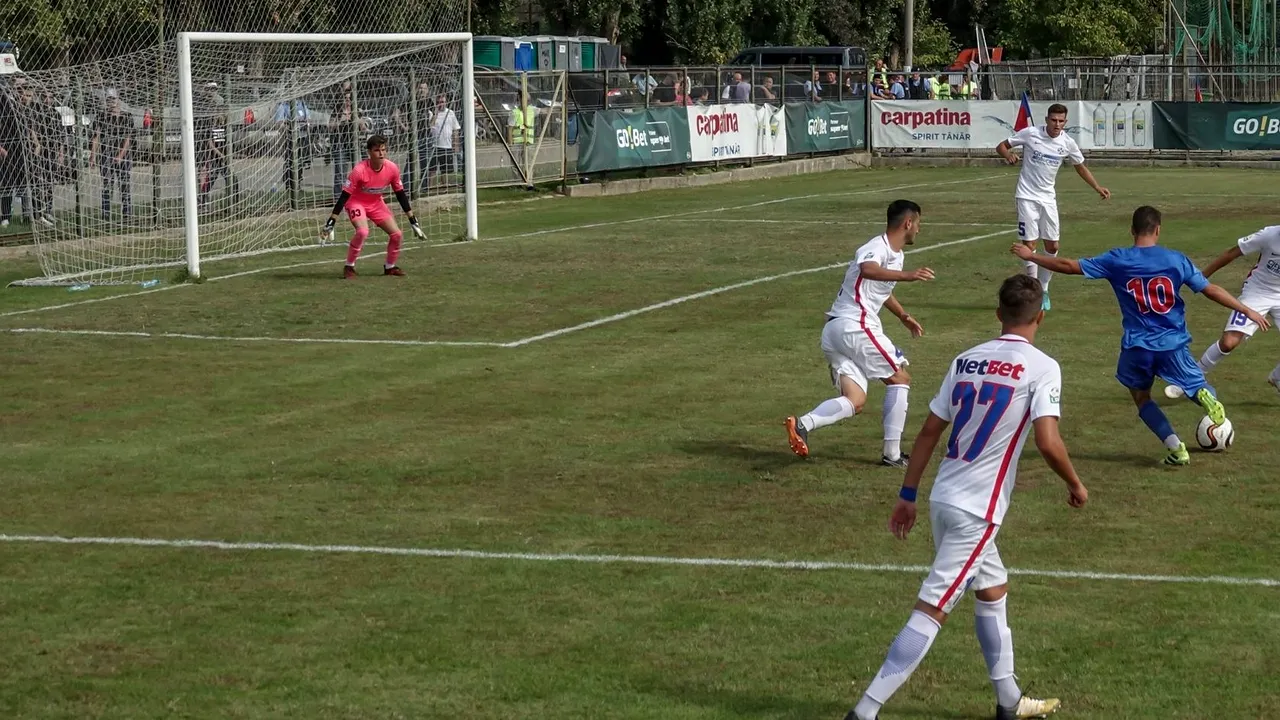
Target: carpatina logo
[915,119]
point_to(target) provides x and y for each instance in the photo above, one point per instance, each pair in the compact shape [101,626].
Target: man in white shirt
[854,342]
[444,138]
[1044,148]
[992,396]
[1261,292]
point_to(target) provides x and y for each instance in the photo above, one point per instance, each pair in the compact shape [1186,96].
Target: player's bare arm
[1054,451]
[1226,258]
[874,271]
[1217,294]
[904,513]
[895,307]
[1005,151]
[403,198]
[1063,266]
[1087,176]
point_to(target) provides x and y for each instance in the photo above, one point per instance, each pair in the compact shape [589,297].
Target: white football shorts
[859,353]
[1262,302]
[965,557]
[1037,220]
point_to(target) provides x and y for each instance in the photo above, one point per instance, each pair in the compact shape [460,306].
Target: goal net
[226,145]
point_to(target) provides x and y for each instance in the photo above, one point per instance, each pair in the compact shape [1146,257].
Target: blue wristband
[908,494]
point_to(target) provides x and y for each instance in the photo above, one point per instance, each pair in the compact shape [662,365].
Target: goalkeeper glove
[327,233]
[417,229]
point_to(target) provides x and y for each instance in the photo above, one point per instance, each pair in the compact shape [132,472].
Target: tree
[707,31]
[1076,27]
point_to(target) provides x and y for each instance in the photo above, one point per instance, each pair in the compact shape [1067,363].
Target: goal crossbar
[190,181]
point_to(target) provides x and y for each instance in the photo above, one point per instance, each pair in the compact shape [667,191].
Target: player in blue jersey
[1146,279]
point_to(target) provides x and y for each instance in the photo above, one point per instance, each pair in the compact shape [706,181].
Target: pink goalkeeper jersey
[366,185]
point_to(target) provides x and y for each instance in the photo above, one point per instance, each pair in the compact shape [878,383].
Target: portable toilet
[561,52]
[486,51]
[544,51]
[525,58]
[590,54]
[575,54]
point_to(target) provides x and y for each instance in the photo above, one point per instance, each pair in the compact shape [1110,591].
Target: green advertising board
[1216,126]
[616,140]
[826,126]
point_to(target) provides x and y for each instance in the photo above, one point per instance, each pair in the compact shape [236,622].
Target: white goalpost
[190,181]
[225,145]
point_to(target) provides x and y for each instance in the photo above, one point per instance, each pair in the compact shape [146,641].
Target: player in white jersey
[992,396]
[1261,292]
[1044,149]
[854,343]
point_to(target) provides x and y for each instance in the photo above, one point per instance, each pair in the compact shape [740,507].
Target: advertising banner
[1217,126]
[736,131]
[976,124]
[616,140]
[826,126]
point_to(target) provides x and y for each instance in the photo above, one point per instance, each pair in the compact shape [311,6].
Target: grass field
[575,428]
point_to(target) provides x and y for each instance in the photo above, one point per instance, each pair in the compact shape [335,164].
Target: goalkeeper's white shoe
[1029,708]
[1274,381]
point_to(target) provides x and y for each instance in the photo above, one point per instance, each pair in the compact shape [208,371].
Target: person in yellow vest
[968,90]
[943,89]
[523,130]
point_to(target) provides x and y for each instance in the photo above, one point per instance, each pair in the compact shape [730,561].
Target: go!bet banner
[982,124]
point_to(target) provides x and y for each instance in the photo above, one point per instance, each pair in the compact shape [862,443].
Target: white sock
[387,266]
[991,623]
[1031,268]
[1044,275]
[895,419]
[1211,357]
[904,656]
[829,412]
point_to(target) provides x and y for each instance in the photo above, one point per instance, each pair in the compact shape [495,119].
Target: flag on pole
[1199,97]
[1024,114]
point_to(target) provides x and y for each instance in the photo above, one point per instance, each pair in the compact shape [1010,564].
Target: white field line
[739,221]
[570,228]
[229,338]
[617,559]
[727,288]
[478,343]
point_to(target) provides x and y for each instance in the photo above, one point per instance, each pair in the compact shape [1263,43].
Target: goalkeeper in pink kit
[362,197]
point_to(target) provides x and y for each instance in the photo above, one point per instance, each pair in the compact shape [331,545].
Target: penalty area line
[726,288]
[745,563]
[231,338]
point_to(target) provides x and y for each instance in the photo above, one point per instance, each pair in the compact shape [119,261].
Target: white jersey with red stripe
[992,394]
[860,298]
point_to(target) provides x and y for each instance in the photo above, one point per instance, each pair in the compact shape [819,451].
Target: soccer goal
[228,145]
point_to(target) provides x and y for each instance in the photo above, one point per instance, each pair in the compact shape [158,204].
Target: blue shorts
[1138,368]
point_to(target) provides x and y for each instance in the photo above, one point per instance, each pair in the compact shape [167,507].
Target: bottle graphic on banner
[1099,126]
[1139,127]
[1118,119]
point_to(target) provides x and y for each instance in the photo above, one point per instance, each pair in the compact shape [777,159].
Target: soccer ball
[1215,437]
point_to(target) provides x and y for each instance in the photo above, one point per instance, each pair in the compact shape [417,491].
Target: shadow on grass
[770,459]
[1148,460]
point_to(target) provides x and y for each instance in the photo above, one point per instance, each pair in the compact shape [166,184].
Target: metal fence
[693,85]
[1139,77]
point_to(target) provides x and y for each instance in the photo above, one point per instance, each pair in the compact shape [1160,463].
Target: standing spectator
[942,89]
[342,136]
[967,90]
[444,135]
[112,150]
[523,126]
[880,71]
[738,90]
[702,97]
[766,91]
[294,117]
[853,88]
[813,88]
[877,90]
[897,88]
[682,98]
[422,107]
[36,173]
[917,87]
[56,150]
[212,152]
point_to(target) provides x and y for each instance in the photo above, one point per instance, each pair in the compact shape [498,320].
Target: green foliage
[934,45]
[707,31]
[1075,27]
